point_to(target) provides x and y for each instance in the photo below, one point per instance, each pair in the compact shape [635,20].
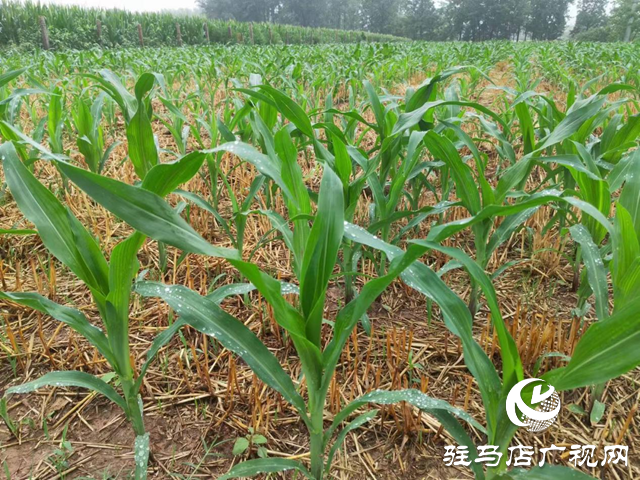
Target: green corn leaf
[557,472]
[411,119]
[6,77]
[292,174]
[595,269]
[425,91]
[466,187]
[342,161]
[353,425]
[573,121]
[290,109]
[54,120]
[321,252]
[251,468]
[71,379]
[399,181]
[17,231]
[22,92]
[160,341]
[59,230]
[111,84]
[145,211]
[166,177]
[512,365]
[418,215]
[630,196]
[441,232]
[607,350]
[625,267]
[526,127]
[456,314]
[123,268]
[142,146]
[572,162]
[597,411]
[207,317]
[411,396]
[263,163]
[288,237]
[441,410]
[504,231]
[376,107]
[202,203]
[69,316]
[145,83]
[20,137]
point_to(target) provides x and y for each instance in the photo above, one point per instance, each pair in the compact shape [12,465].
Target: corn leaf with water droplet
[145,211]
[251,468]
[595,269]
[207,317]
[441,410]
[353,425]
[71,379]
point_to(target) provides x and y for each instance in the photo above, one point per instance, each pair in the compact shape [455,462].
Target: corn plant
[148,214]
[137,112]
[108,281]
[87,119]
[589,364]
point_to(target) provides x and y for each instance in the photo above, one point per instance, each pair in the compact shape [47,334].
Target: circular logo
[546,406]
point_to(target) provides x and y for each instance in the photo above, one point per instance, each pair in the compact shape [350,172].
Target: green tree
[591,14]
[379,16]
[304,13]
[241,10]
[420,20]
[548,19]
[624,17]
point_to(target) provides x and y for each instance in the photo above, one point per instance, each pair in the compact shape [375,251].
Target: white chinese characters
[525,456]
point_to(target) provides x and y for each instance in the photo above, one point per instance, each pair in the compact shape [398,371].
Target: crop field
[317,261]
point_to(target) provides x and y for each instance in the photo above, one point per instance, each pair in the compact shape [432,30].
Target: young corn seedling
[148,214]
[87,119]
[178,126]
[137,112]
[108,281]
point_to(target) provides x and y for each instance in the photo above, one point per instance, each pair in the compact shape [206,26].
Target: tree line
[468,20]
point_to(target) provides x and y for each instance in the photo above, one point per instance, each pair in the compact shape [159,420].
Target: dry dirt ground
[198,398]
